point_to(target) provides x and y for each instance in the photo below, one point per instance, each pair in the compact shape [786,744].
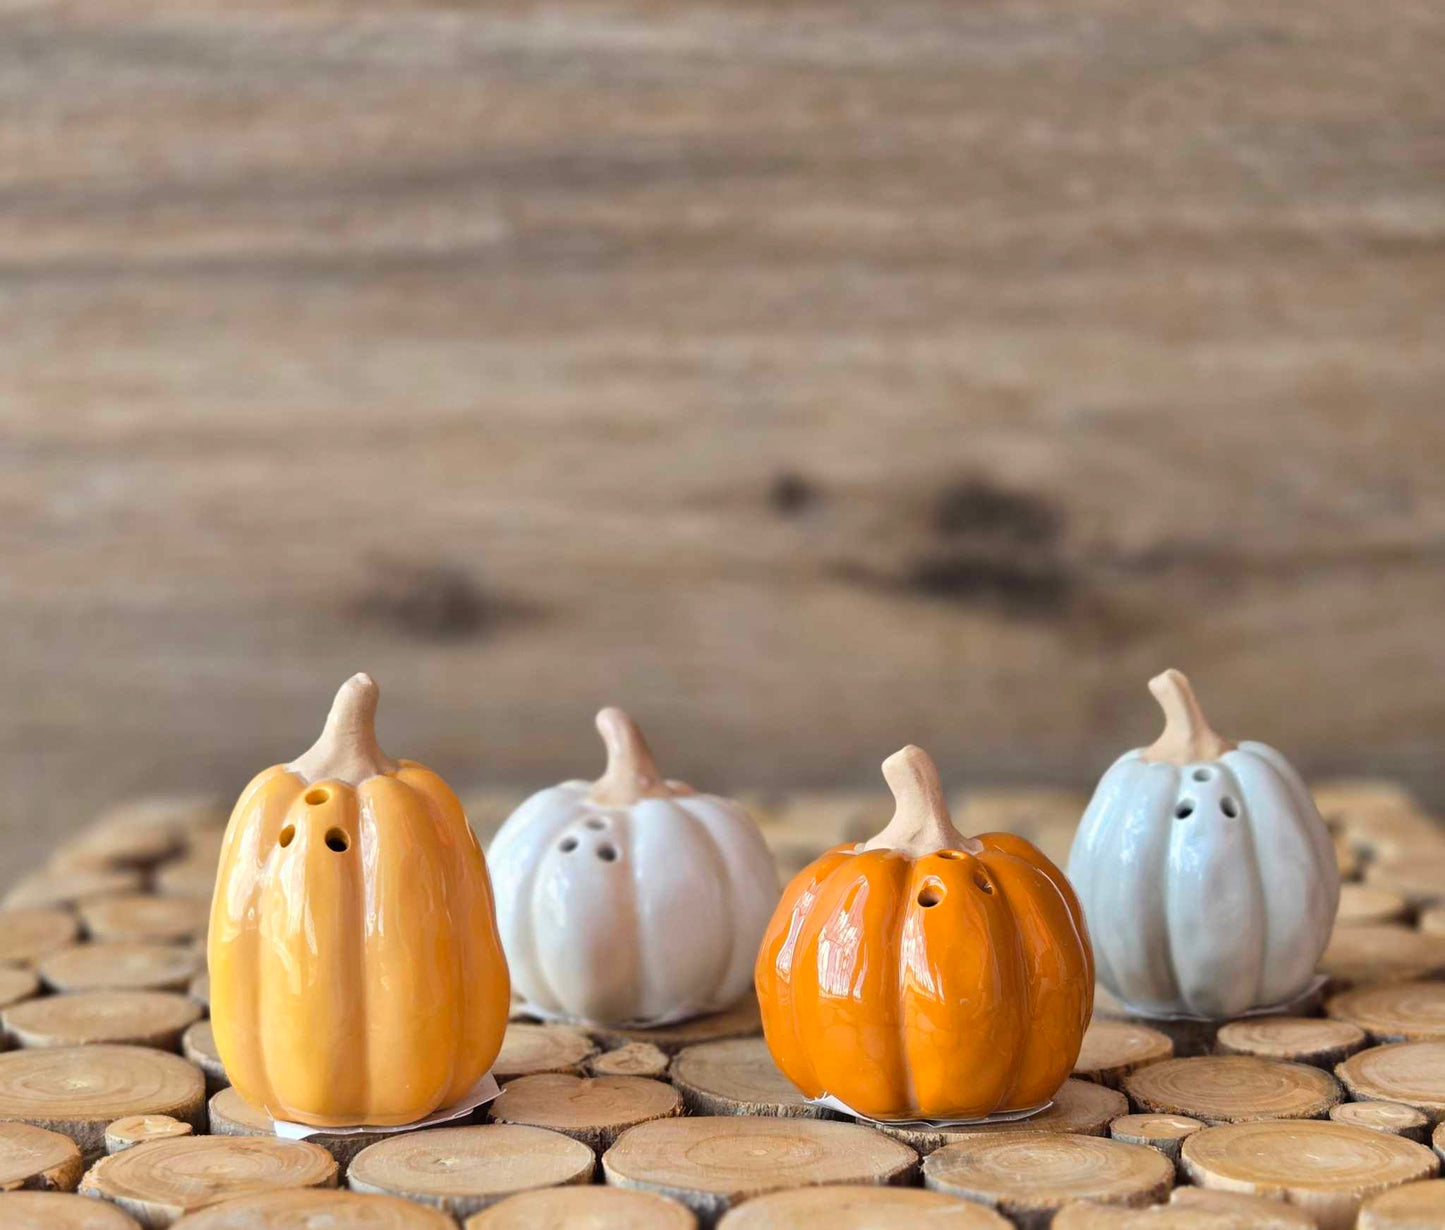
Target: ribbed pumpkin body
[356,971]
[953,985]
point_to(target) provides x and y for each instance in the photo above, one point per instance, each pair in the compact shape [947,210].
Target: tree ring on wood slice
[229,1114]
[36,1159]
[1394,1011]
[1411,1207]
[1163,1132]
[1079,1107]
[1294,1039]
[48,888]
[81,1018]
[143,917]
[1029,1176]
[1113,1049]
[742,1020]
[313,1208]
[79,1090]
[29,934]
[1324,1168]
[1233,1089]
[17,985]
[630,1059]
[531,1049]
[1189,1208]
[58,1211]
[1361,905]
[1382,952]
[198,1044]
[1392,1117]
[853,1207]
[710,1163]
[462,1170]
[738,1077]
[1409,1072]
[162,1180]
[135,1130]
[558,1208]
[594,1110]
[120,966]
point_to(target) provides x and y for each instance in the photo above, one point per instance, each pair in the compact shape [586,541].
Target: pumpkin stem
[921,823]
[347,750]
[631,772]
[1187,736]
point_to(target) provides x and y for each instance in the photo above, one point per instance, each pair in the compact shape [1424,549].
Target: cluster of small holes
[317,796]
[1184,810]
[1229,807]
[337,840]
[287,834]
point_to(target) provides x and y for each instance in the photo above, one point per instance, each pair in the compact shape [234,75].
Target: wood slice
[17,985]
[1394,1011]
[1391,1117]
[742,1020]
[631,1059]
[1296,1039]
[1412,1073]
[26,935]
[462,1170]
[34,1159]
[1360,905]
[119,966]
[317,1209]
[1113,1049]
[738,1077]
[229,1114]
[1415,1206]
[80,1018]
[528,1050]
[1163,1132]
[187,877]
[57,1211]
[199,989]
[1326,1169]
[1233,1089]
[1082,1108]
[50,888]
[1418,877]
[1189,1208]
[79,1090]
[1030,1176]
[135,1130]
[1382,952]
[590,1208]
[711,1163]
[140,917]
[162,1180]
[107,846]
[594,1110]
[860,1208]
[198,1044]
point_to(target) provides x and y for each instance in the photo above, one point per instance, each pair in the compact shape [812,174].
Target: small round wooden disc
[58,1211]
[630,1059]
[1382,952]
[1324,1168]
[1412,1073]
[595,1208]
[316,1209]
[1029,1176]
[1413,1206]
[1189,1208]
[229,1114]
[198,1044]
[199,989]
[135,1130]
[737,1077]
[79,1018]
[187,877]
[851,1207]
[78,1090]
[1418,878]
[1081,1108]
[129,840]
[462,1170]
[120,966]
[140,917]
[35,1159]
[711,1163]
[52,888]
[1113,1049]
[29,934]
[1432,921]
[1360,905]
[742,1020]
[1163,1132]
[530,1049]
[162,1180]
[594,1110]
[1394,1011]
[1392,1117]
[1296,1039]
[16,985]
[1233,1089]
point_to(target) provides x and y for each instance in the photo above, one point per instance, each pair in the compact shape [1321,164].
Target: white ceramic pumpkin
[631,899]
[1206,875]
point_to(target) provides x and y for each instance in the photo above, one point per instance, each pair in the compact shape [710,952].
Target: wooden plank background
[810,378]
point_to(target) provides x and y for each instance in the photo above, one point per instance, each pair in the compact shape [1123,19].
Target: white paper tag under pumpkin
[1004,1116]
[479,1095]
[1144,1014]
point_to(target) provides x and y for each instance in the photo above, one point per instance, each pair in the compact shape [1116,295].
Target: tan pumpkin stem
[1187,736]
[347,750]
[921,823]
[631,772]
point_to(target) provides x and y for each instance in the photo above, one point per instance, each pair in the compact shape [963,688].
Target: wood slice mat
[587,1208]
[1392,1117]
[1029,1177]
[861,1208]
[1112,1049]
[312,1209]
[198,1044]
[742,1020]
[29,934]
[1415,1206]
[120,966]
[1233,1089]
[56,1211]
[528,1050]
[229,1114]
[162,1180]
[34,1159]
[711,1163]
[1163,1132]
[1294,1039]
[738,1077]
[1326,1169]
[1189,1208]
[1079,1107]
[594,1110]
[135,1130]
[630,1059]
[1409,1072]
[80,1018]
[462,1170]
[143,917]
[1394,1012]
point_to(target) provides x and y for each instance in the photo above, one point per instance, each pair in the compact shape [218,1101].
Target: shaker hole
[286,835]
[982,883]
[949,854]
[568,845]
[608,854]
[317,796]
[1184,810]
[1229,807]
[1202,775]
[929,896]
[594,822]
[337,840]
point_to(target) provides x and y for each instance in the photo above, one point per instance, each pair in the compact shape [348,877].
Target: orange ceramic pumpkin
[357,975]
[924,974]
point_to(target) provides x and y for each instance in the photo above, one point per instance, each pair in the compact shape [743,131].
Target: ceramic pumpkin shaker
[925,974]
[1207,875]
[631,899]
[356,972]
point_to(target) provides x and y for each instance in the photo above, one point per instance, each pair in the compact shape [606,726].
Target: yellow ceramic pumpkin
[356,971]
